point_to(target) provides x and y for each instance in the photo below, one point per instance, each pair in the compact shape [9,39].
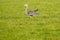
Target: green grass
[16,25]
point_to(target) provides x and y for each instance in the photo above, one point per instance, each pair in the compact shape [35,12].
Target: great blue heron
[31,12]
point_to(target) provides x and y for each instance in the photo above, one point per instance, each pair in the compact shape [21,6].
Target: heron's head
[26,5]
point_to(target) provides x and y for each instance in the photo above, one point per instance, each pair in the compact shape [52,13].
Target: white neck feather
[26,10]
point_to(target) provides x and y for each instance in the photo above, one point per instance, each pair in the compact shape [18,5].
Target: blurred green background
[15,24]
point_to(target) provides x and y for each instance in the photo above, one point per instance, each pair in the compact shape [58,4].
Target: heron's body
[32,12]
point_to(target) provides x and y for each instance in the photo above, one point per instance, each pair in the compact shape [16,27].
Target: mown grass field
[15,24]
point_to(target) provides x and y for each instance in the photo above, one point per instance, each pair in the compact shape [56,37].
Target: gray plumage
[32,12]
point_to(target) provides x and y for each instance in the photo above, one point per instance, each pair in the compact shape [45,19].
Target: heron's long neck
[27,9]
